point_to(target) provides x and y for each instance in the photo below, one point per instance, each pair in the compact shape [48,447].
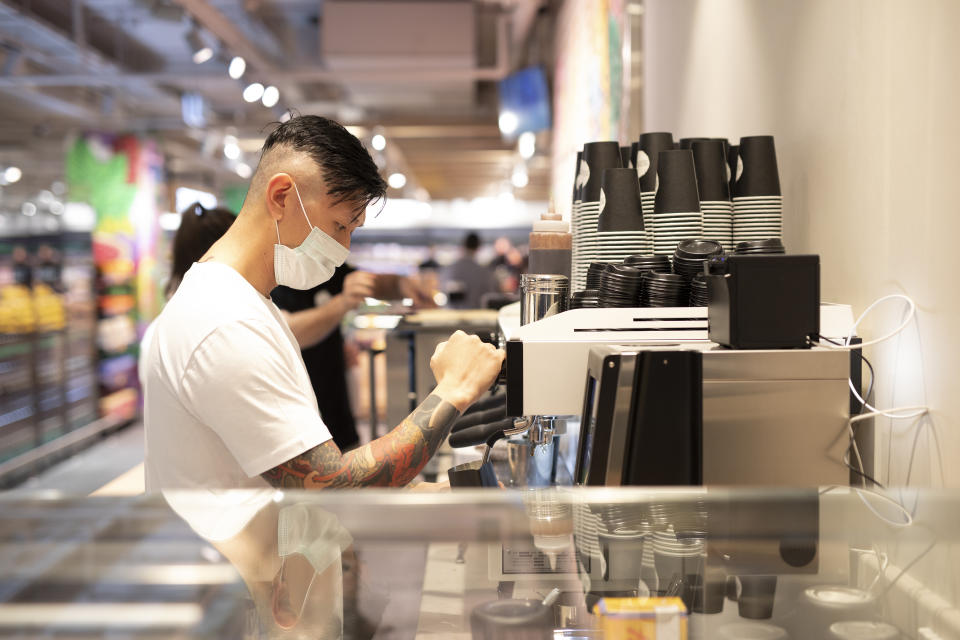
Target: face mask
[321,539]
[310,264]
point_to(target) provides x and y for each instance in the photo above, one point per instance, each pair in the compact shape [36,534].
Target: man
[468,281]
[228,400]
[314,317]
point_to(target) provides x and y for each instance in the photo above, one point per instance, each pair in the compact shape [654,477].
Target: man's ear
[279,189]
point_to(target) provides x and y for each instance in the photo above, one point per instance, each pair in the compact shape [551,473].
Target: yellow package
[642,618]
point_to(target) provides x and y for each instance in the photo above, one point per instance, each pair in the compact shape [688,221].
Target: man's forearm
[310,326]
[391,461]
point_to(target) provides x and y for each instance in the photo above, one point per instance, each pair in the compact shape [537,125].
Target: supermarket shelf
[24,463]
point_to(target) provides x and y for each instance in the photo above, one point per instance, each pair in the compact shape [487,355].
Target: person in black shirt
[314,317]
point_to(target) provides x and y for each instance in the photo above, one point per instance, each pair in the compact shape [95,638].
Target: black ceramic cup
[621,208]
[597,156]
[678,183]
[759,175]
[708,161]
[645,162]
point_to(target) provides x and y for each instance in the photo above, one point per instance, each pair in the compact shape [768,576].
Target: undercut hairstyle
[348,171]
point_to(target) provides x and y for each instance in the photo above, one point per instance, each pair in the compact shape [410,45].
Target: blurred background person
[314,317]
[199,229]
[467,280]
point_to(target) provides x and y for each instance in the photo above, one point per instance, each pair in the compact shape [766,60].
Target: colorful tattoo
[391,461]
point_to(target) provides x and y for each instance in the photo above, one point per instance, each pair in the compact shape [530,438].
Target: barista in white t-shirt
[228,402]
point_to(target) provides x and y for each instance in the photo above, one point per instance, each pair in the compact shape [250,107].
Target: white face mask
[310,264]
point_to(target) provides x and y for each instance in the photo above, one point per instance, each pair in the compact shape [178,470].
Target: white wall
[863,97]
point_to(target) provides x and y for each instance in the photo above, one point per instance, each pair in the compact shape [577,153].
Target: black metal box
[765,302]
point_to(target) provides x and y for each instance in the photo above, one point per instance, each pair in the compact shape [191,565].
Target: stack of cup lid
[665,289]
[692,256]
[621,286]
[760,247]
[586,299]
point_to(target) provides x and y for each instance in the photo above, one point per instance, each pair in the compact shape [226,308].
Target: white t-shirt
[227,396]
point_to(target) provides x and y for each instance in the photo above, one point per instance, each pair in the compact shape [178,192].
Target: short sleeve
[242,384]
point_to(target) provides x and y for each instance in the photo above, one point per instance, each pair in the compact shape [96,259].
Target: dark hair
[471,242]
[348,170]
[199,229]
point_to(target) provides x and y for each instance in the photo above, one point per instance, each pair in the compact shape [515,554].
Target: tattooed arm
[464,367]
[391,461]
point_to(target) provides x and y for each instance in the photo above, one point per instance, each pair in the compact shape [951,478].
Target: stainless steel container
[542,295]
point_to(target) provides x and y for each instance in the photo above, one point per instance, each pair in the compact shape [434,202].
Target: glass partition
[804,563]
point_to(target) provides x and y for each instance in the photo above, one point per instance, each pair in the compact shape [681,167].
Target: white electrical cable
[911,311]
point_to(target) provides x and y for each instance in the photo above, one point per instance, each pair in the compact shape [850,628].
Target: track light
[200,50]
[253,92]
[271,96]
[238,66]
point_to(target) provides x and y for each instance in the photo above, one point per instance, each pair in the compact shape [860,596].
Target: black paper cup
[711,170]
[621,208]
[733,153]
[645,162]
[757,168]
[756,597]
[687,143]
[678,183]
[625,160]
[597,156]
[576,177]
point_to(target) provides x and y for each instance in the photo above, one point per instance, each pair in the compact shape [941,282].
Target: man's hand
[464,368]
[357,286]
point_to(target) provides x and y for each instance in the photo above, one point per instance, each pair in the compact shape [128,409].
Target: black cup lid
[621,208]
[711,169]
[698,249]
[756,168]
[677,192]
[650,144]
[597,156]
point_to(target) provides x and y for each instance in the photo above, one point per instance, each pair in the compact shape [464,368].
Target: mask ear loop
[302,208]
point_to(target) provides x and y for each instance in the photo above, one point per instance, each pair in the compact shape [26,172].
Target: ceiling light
[508,122]
[286,116]
[28,209]
[237,67]
[520,179]
[12,174]
[231,150]
[199,50]
[271,96]
[45,197]
[253,92]
[527,144]
[243,170]
[397,180]
[56,208]
[378,142]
